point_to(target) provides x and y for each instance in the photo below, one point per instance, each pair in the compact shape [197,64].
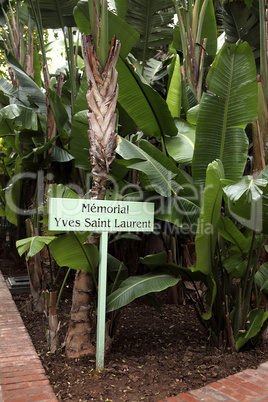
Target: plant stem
[251,279]
[117,277]
[50,269]
[62,286]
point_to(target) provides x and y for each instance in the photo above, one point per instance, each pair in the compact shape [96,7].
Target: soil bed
[153,356]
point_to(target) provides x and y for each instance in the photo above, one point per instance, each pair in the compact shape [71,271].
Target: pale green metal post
[102,285]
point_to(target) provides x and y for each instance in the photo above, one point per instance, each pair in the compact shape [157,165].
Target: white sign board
[69,214]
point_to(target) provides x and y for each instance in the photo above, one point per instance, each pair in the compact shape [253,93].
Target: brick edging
[248,385]
[22,376]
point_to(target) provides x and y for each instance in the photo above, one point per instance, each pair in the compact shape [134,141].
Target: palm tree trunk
[101,99]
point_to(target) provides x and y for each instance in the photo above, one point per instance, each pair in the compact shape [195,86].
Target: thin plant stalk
[251,279]
[62,287]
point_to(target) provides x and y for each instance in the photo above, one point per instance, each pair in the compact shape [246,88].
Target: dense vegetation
[191,123]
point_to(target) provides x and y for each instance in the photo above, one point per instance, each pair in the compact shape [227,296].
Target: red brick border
[22,377]
[249,385]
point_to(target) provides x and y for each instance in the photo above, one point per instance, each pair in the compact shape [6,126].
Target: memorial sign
[100,216]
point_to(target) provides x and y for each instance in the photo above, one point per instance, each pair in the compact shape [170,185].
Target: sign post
[102,281]
[100,216]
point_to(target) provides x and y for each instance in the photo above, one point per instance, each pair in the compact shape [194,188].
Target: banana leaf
[60,155]
[61,191]
[174,91]
[143,104]
[252,215]
[181,147]
[207,27]
[242,23]
[261,278]
[247,186]
[22,116]
[113,267]
[70,251]
[28,90]
[121,8]
[256,321]
[230,232]
[159,260]
[79,146]
[236,265]
[50,14]
[178,211]
[7,91]
[138,286]
[154,259]
[152,19]
[33,245]
[207,229]
[162,173]
[247,202]
[229,104]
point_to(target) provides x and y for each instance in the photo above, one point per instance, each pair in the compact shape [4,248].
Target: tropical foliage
[191,119]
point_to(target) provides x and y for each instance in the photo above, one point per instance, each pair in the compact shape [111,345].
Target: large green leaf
[137,286]
[33,245]
[22,116]
[206,236]
[261,278]
[230,232]
[247,202]
[60,112]
[143,104]
[174,90]
[152,19]
[154,259]
[164,176]
[121,8]
[228,105]
[159,260]
[207,27]
[60,155]
[79,146]
[248,186]
[253,215]
[28,90]
[236,265]
[7,91]
[178,211]
[70,251]
[181,147]
[114,266]
[256,320]
[81,100]
[242,23]
[50,14]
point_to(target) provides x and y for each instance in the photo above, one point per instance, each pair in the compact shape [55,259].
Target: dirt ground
[153,356]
